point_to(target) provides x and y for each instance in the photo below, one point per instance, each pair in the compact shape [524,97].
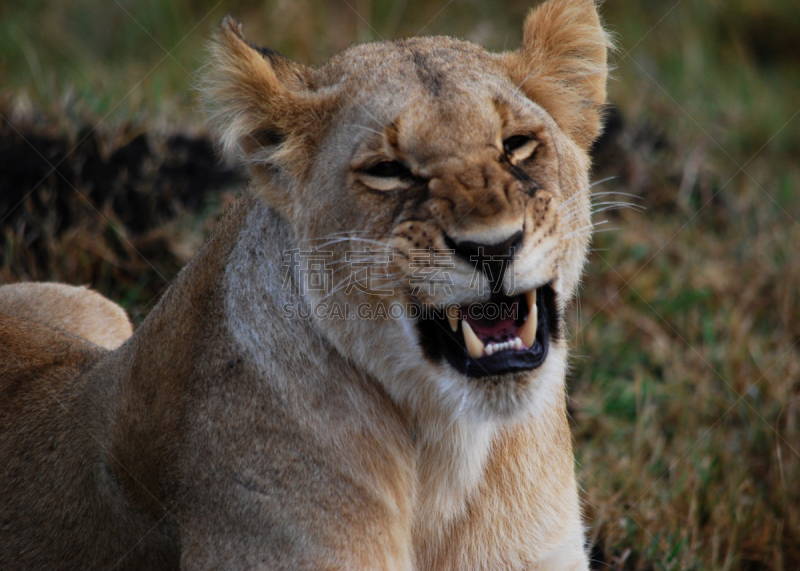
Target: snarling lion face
[445,190]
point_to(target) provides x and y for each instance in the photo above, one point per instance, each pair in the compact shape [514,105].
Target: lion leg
[76,310]
[241,527]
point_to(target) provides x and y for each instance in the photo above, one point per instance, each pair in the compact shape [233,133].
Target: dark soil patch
[90,205]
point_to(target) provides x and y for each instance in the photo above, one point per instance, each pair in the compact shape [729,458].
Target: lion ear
[261,105]
[562,65]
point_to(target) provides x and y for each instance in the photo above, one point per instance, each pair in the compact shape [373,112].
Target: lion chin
[363,368]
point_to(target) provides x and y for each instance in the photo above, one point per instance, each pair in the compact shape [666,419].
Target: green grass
[685,383]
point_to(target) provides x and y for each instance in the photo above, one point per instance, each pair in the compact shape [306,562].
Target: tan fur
[223,434]
[76,310]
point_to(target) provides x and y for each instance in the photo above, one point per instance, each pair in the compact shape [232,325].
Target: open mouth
[503,335]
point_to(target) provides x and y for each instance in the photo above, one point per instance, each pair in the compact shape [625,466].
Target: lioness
[242,426]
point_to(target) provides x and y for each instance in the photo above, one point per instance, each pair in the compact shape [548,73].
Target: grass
[685,381]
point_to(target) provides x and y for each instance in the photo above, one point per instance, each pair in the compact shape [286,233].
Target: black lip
[438,341]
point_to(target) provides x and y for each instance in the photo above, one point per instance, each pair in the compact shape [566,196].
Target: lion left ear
[562,65]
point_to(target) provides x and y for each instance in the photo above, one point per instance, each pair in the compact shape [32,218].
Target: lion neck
[450,453]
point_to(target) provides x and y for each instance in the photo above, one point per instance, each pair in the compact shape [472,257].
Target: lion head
[449,181]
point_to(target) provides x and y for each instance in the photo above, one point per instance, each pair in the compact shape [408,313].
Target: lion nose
[479,251]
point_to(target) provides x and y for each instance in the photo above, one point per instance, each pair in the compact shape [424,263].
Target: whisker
[617,192]
[349,232]
[606,230]
[595,183]
[597,207]
[356,239]
[583,229]
[377,262]
[365,128]
[623,206]
[580,194]
[569,201]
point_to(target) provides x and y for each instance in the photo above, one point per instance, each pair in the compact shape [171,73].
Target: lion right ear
[262,107]
[562,65]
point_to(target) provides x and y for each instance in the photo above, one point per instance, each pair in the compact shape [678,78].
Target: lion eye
[386,175]
[388,169]
[519,147]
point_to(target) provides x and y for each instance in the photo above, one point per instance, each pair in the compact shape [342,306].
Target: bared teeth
[493,347]
[525,338]
[528,330]
[530,297]
[474,345]
[452,317]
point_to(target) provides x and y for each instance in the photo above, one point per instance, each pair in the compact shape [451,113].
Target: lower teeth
[493,348]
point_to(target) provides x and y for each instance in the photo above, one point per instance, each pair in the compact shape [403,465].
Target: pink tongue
[488,329]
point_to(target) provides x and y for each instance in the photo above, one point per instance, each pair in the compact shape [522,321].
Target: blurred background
[685,379]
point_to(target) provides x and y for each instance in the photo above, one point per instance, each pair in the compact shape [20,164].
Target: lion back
[76,310]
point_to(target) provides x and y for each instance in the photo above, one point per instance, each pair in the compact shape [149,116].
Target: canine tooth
[452,317]
[474,345]
[528,330]
[530,297]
